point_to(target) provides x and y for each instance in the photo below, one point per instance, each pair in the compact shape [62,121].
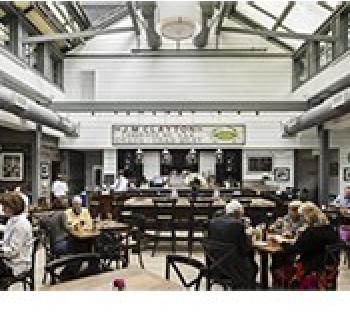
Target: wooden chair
[199,217]
[164,222]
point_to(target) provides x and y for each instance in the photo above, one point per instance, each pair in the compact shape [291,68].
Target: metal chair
[173,261]
[225,267]
[27,278]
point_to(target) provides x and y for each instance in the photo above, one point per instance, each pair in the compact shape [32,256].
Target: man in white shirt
[121,183]
[59,190]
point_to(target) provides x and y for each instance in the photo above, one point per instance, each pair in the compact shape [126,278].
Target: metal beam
[132,14]
[278,34]
[261,52]
[283,15]
[73,35]
[269,14]
[129,106]
[254,25]
[334,107]
[323,186]
[325,5]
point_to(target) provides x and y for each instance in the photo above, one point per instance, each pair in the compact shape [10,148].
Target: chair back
[226,266]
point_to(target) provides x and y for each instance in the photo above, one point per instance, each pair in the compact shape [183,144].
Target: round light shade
[177,28]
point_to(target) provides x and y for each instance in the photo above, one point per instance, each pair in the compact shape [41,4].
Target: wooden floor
[156,265]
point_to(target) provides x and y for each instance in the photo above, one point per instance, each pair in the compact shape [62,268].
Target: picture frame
[258,164]
[346,174]
[281,174]
[44,170]
[11,166]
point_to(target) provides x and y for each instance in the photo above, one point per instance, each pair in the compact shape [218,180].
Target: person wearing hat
[230,229]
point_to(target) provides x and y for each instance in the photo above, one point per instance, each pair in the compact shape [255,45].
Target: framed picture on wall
[11,166]
[259,164]
[346,174]
[281,174]
[44,170]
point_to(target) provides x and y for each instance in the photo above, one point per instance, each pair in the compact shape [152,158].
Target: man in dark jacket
[229,229]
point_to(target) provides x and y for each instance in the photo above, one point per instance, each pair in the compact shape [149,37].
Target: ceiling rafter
[325,5]
[269,14]
[283,15]
[132,14]
[257,26]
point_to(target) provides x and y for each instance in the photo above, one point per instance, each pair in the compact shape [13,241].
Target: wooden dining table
[136,279]
[266,249]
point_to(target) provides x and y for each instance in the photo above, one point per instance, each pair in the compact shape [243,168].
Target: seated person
[17,246]
[310,249]
[78,217]
[64,243]
[230,228]
[291,222]
[342,201]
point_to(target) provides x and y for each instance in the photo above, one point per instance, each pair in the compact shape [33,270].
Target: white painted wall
[280,158]
[207,161]
[151,164]
[221,79]
[109,161]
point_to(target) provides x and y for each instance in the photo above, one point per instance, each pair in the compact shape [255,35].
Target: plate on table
[261,243]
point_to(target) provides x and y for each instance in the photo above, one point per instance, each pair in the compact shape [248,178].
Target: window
[56,71]
[4,31]
[30,55]
[325,52]
[301,68]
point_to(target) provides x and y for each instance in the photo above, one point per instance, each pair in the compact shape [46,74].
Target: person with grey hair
[230,229]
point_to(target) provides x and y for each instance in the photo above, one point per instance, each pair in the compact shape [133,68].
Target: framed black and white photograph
[259,164]
[44,170]
[281,174]
[346,174]
[11,166]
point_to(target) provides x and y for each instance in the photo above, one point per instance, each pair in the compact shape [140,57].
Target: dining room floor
[156,265]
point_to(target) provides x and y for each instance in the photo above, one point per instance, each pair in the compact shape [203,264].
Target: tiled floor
[156,265]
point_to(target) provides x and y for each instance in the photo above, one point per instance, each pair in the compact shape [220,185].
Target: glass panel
[30,53]
[325,53]
[275,7]
[4,35]
[255,15]
[306,17]
[294,43]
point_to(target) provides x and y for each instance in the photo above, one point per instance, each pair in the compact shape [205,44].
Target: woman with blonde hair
[308,271]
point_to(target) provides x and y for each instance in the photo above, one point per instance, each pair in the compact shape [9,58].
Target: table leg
[126,251]
[264,270]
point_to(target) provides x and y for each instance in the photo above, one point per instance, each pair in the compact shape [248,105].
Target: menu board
[177,134]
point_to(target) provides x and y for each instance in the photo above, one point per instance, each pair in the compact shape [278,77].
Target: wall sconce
[219,156]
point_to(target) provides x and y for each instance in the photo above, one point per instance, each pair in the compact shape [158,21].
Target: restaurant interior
[174,146]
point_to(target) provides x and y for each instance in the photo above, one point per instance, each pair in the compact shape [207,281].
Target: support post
[36,165]
[16,35]
[323,186]
[44,59]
